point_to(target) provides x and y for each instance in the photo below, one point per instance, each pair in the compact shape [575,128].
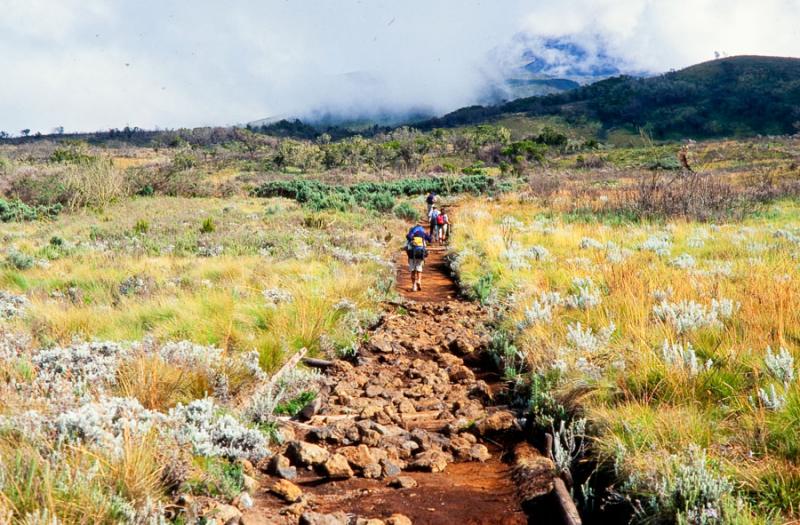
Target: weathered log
[568,510]
[317,363]
[533,473]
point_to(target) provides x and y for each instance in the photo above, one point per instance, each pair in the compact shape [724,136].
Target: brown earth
[417,403]
[437,286]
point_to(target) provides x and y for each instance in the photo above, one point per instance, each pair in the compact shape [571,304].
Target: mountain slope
[742,95]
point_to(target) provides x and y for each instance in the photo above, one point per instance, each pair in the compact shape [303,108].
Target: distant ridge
[742,95]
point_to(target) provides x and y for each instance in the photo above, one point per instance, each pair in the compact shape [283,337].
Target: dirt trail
[437,286]
[418,406]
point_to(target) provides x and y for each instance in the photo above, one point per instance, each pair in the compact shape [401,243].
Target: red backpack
[440,219]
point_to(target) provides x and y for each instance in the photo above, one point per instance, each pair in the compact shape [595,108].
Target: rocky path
[408,432]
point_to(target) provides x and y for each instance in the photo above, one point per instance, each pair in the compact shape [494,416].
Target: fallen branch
[568,510]
[288,365]
[317,363]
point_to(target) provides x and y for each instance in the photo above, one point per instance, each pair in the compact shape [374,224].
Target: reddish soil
[437,286]
[464,494]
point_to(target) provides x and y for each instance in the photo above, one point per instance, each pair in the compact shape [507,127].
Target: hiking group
[417,239]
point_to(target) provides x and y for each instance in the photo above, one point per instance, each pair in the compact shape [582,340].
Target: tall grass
[656,387]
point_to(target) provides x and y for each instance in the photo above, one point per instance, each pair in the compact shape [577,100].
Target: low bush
[18,211]
[377,196]
[406,211]
[19,260]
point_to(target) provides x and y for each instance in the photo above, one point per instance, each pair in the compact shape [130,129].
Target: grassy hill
[741,96]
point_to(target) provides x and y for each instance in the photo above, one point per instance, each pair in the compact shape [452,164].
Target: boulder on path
[497,422]
[358,457]
[431,461]
[337,467]
[307,454]
[286,490]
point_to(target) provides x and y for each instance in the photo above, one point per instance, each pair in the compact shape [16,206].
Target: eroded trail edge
[412,430]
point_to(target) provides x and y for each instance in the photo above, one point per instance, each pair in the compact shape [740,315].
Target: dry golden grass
[650,409]
[159,385]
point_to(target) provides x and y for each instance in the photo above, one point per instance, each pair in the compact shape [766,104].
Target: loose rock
[315,518]
[337,467]
[286,490]
[225,514]
[280,466]
[307,454]
[398,519]
[403,482]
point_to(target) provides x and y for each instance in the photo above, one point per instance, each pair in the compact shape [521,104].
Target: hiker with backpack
[444,225]
[417,251]
[433,219]
[430,200]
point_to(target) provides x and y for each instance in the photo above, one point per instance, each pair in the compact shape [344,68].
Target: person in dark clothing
[430,200]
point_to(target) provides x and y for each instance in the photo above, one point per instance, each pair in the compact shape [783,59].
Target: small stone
[431,461]
[370,411]
[460,347]
[243,501]
[279,466]
[460,446]
[308,453]
[369,521]
[398,519]
[225,514]
[250,484]
[497,422]
[358,457]
[337,467]
[373,391]
[479,453]
[390,468]
[286,490]
[295,509]
[315,518]
[380,345]
[286,434]
[461,374]
[407,448]
[403,482]
[406,407]
[372,471]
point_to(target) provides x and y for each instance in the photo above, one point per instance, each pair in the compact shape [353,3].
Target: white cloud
[91,64]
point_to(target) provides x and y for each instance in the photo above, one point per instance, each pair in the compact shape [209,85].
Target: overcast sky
[92,64]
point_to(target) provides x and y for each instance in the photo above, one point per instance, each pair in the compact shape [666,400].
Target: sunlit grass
[640,404]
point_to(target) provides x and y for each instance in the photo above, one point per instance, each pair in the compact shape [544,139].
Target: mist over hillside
[522,67]
[743,95]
